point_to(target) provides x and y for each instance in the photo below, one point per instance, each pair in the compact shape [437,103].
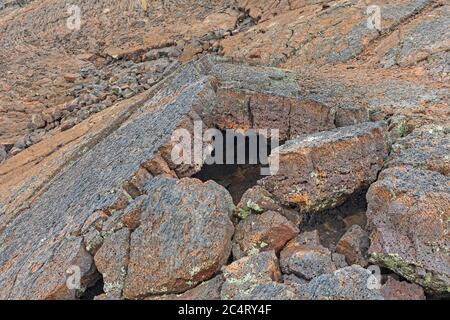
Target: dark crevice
[96,289]
[237,178]
[333,223]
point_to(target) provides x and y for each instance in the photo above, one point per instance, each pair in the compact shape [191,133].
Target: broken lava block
[321,170]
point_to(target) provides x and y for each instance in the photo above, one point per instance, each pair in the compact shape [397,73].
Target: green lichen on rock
[411,271]
[249,208]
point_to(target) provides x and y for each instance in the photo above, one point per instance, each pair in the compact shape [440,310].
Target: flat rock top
[332,136]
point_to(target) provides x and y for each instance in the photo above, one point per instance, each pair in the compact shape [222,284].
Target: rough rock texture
[98,166]
[427,147]
[322,170]
[255,277]
[112,261]
[401,290]
[306,260]
[262,198]
[184,239]
[354,245]
[408,211]
[349,283]
[86,115]
[208,290]
[262,232]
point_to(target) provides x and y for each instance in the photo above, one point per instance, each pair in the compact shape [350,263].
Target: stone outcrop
[90,194]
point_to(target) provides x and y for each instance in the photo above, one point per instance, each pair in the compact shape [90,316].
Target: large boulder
[320,171]
[184,238]
[408,212]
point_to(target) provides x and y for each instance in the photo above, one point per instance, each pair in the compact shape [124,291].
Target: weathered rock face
[184,238]
[427,147]
[260,198]
[350,283]
[354,245]
[97,172]
[322,170]
[306,258]
[112,261]
[408,210]
[255,277]
[401,290]
[262,232]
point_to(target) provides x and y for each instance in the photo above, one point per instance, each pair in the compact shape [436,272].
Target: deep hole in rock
[333,223]
[96,289]
[238,177]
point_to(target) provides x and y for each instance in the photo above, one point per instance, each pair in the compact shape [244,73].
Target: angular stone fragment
[350,283]
[112,261]
[184,237]
[306,261]
[262,232]
[408,212]
[255,277]
[401,290]
[262,198]
[65,276]
[322,170]
[354,245]
[427,147]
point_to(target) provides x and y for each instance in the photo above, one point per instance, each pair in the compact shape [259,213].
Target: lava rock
[255,277]
[208,290]
[350,283]
[306,261]
[427,147]
[408,212]
[184,237]
[320,171]
[262,232]
[354,245]
[112,261]
[401,290]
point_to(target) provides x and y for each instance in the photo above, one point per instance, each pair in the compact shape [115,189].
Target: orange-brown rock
[320,171]
[408,212]
[261,232]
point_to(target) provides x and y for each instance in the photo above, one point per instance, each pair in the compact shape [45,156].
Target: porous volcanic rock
[427,147]
[320,171]
[255,277]
[184,238]
[208,290]
[306,260]
[354,245]
[349,283]
[261,232]
[401,290]
[408,212]
[112,261]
